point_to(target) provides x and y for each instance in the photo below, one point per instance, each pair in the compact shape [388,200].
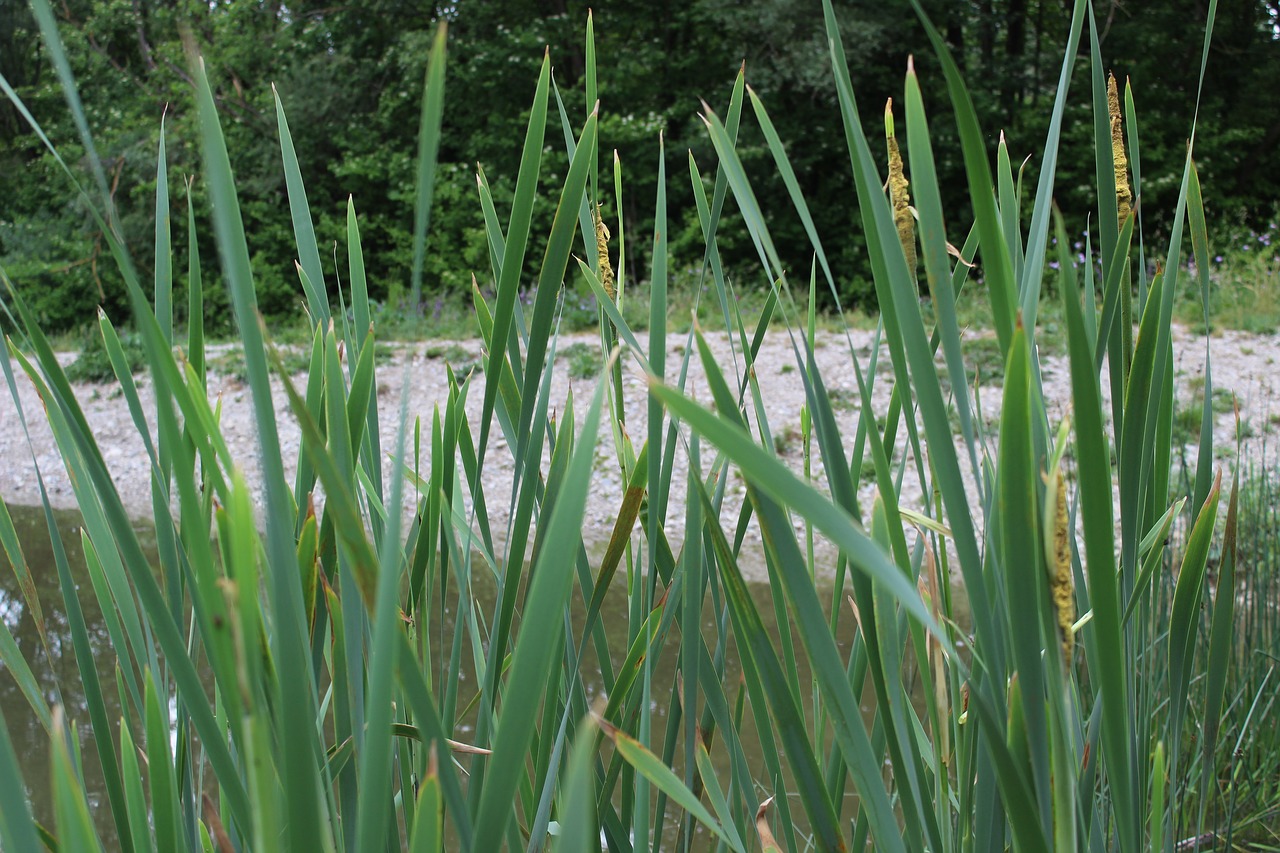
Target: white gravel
[1242,364]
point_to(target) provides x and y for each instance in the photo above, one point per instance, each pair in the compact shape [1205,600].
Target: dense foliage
[349,73]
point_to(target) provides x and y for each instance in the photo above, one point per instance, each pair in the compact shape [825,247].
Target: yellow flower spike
[899,195]
[604,268]
[1057,546]
[1063,593]
[1124,196]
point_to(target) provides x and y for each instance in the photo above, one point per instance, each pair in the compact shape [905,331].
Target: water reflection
[56,673]
[59,678]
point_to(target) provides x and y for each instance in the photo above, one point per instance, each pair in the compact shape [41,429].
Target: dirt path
[1245,365]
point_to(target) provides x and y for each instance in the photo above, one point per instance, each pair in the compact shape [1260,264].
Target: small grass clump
[1246,279]
[93,363]
[230,363]
[583,360]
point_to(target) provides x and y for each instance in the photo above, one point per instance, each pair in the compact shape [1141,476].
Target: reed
[1077,707]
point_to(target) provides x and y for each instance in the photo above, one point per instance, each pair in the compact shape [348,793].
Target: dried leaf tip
[768,843]
[1124,197]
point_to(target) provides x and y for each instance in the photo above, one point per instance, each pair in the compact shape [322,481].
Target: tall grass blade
[303,229]
[299,759]
[548,592]
[428,150]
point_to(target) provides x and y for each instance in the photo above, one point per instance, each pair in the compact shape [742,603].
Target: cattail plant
[290,682]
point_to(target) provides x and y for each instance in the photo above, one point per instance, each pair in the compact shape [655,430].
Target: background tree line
[350,77]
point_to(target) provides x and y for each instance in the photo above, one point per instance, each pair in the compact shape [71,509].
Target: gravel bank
[1245,365]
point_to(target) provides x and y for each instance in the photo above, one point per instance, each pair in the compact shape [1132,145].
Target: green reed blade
[788,175]
[1158,782]
[513,259]
[1038,235]
[360,399]
[651,768]
[1096,512]
[139,825]
[304,231]
[906,327]
[691,607]
[757,653]
[340,501]
[995,252]
[17,828]
[1009,201]
[1023,573]
[18,562]
[554,264]
[744,195]
[1221,638]
[15,662]
[1114,282]
[933,242]
[371,448]
[44,16]
[299,753]
[659,478]
[709,214]
[195,295]
[428,823]
[634,349]
[1104,161]
[376,755]
[777,481]
[586,219]
[878,648]
[71,810]
[1135,165]
[357,279]
[526,487]
[496,241]
[540,827]
[428,148]
[1154,559]
[1140,408]
[1200,248]
[592,91]
[94,702]
[839,700]
[632,499]
[115,630]
[548,591]
[163,782]
[164,255]
[579,825]
[1184,617]
[707,772]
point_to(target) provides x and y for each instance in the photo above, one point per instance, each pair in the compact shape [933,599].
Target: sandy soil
[1242,364]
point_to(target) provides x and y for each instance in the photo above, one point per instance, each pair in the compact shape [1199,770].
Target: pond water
[59,677]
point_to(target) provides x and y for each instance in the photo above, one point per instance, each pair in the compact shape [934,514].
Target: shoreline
[1242,363]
